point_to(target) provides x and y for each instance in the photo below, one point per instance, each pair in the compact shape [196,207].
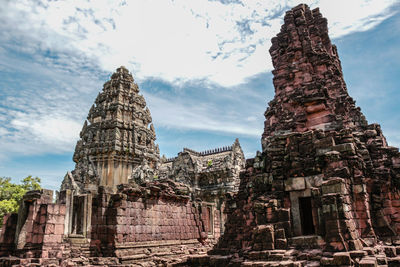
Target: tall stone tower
[325,179]
[117,137]
[310,92]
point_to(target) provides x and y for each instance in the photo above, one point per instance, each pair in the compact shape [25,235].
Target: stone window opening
[306,216]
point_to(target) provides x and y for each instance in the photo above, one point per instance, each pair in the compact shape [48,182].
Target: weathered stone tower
[116,145]
[116,138]
[310,92]
[326,180]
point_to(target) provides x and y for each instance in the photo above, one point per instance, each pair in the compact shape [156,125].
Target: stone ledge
[156,243]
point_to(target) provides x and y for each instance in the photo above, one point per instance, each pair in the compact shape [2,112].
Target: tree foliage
[11,194]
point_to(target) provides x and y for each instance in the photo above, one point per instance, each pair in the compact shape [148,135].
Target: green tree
[11,194]
[31,183]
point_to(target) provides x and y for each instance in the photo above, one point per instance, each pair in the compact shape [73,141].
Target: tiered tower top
[310,92]
[117,136]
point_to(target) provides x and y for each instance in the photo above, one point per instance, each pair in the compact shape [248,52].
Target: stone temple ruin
[324,191]
[122,203]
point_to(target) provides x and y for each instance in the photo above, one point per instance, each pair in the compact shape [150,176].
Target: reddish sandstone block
[368,262]
[29,238]
[121,212]
[52,238]
[63,209]
[50,228]
[40,238]
[29,226]
[45,254]
[120,238]
[121,219]
[59,229]
[56,219]
[56,208]
[342,258]
[338,246]
[35,238]
[36,228]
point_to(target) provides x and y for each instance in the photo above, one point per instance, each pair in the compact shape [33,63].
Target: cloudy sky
[203,67]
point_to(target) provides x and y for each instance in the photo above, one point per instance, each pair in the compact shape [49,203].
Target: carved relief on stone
[69,182]
[121,133]
[143,173]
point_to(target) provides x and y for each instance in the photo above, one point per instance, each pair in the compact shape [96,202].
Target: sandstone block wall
[37,231]
[335,169]
[135,219]
[160,217]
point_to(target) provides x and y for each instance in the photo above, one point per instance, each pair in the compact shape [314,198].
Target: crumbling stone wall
[155,219]
[37,232]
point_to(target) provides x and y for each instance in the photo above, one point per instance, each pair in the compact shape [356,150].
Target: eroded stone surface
[328,180]
[323,191]
[117,139]
[310,92]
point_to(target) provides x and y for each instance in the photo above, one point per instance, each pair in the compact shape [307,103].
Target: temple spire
[310,92]
[117,137]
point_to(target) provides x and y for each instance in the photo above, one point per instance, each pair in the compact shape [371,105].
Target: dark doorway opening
[209,220]
[307,224]
[77,215]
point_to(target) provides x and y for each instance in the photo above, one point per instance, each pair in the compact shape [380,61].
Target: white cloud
[52,130]
[345,17]
[68,47]
[42,105]
[173,40]
[190,114]
[37,133]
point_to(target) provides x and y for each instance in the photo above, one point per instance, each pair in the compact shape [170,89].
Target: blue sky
[203,67]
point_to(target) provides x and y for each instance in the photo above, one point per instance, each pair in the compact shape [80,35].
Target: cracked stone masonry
[324,191]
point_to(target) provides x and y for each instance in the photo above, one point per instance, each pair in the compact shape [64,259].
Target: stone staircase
[380,256]
[29,262]
[79,248]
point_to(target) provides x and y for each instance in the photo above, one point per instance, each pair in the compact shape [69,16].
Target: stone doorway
[306,216]
[78,215]
[209,220]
